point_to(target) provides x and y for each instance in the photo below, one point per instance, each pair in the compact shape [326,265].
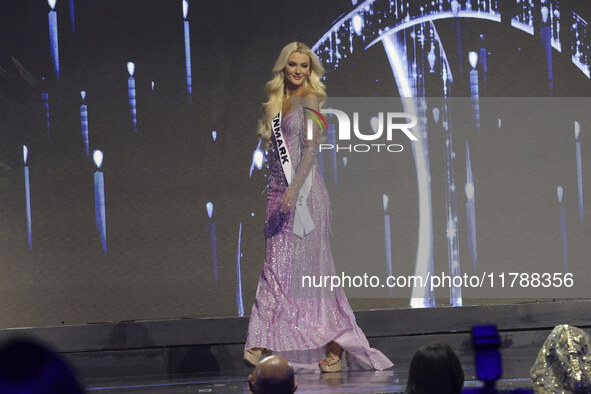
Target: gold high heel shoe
[253,356]
[333,362]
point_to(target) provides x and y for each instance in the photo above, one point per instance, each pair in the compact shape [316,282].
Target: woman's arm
[308,154]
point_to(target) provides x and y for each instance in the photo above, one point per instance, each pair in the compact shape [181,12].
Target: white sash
[302,223]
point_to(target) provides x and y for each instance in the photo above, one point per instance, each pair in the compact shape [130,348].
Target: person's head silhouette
[27,367]
[435,368]
[272,375]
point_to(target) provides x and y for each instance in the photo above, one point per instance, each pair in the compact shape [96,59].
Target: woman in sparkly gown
[304,324]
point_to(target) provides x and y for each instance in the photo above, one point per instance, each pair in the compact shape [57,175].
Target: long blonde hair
[275,88]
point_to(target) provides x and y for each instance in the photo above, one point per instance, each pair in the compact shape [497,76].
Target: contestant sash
[303,223]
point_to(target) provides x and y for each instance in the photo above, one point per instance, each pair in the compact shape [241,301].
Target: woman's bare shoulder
[305,93]
[310,99]
[309,94]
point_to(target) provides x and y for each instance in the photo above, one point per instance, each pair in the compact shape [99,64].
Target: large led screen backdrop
[132,186]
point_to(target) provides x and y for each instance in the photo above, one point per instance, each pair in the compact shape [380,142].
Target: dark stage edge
[193,355]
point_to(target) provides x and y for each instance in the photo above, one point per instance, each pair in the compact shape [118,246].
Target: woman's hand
[289,200]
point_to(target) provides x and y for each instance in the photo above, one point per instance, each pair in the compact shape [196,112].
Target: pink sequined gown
[291,320]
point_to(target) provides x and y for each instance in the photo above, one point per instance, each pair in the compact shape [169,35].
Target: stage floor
[360,382]
[204,355]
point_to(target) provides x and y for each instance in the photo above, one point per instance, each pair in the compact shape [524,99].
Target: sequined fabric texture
[295,321]
[563,364]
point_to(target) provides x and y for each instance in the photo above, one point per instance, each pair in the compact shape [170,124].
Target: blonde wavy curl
[275,88]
